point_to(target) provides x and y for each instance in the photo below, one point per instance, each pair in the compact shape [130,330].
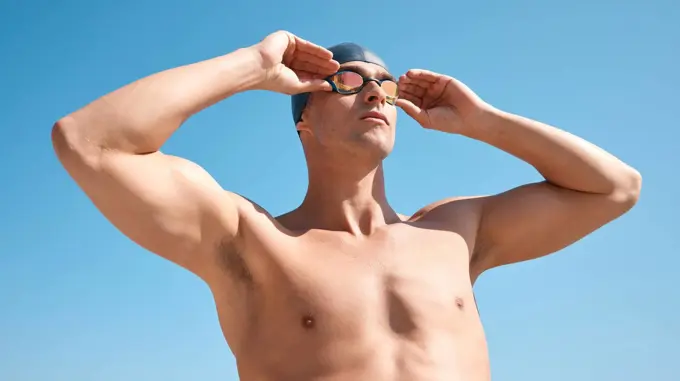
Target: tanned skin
[342,288]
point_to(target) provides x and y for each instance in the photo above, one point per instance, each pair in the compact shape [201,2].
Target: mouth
[375,116]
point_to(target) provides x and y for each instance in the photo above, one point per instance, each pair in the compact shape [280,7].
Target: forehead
[365,68]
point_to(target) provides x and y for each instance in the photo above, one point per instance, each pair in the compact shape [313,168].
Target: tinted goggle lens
[349,82]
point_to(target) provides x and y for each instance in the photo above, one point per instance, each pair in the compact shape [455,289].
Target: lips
[375,115]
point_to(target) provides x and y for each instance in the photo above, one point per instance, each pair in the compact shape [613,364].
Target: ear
[303,125]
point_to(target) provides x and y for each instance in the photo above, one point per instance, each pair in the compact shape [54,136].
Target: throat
[354,204]
[358,219]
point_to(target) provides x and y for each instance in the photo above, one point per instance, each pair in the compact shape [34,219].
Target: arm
[584,188]
[167,204]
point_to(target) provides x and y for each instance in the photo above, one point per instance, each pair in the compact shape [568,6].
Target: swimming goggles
[349,82]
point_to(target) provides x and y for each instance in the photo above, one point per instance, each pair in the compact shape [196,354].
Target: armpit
[233,264]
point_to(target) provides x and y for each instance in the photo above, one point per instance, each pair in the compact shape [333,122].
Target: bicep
[168,205]
[537,219]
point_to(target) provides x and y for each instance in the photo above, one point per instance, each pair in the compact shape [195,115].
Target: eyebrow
[362,71]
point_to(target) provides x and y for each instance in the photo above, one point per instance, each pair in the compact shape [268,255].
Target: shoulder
[451,209]
[251,211]
[460,215]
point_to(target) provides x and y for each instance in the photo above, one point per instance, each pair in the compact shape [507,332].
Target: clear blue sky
[79,302]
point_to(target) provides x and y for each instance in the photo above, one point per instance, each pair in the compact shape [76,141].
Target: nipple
[308,322]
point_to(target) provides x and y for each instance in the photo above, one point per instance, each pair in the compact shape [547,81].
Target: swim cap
[343,53]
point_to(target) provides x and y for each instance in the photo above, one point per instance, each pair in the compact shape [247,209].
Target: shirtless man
[343,288]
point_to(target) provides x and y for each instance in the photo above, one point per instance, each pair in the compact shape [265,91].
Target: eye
[348,80]
[391,88]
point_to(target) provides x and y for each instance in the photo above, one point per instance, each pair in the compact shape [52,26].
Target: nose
[374,93]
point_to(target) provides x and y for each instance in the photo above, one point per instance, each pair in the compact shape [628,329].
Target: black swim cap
[343,53]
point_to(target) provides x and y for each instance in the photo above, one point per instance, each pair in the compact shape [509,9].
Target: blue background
[79,302]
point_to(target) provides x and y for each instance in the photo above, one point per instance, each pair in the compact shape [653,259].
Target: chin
[376,143]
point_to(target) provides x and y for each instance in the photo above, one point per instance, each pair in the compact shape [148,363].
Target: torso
[323,305]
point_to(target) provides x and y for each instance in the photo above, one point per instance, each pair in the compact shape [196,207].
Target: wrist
[246,65]
[484,121]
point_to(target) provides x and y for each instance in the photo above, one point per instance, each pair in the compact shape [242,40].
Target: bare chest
[405,283]
[401,298]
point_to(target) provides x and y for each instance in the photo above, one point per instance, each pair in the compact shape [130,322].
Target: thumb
[310,83]
[410,109]
[316,85]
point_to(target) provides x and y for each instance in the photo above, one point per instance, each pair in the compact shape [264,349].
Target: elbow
[59,134]
[627,192]
[70,146]
[61,137]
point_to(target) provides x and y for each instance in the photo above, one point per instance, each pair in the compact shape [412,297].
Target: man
[343,287]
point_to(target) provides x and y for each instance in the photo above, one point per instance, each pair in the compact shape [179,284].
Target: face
[361,124]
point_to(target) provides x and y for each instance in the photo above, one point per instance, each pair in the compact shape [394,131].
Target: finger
[311,68]
[414,82]
[311,48]
[410,109]
[438,87]
[424,88]
[423,75]
[308,74]
[297,65]
[404,80]
[308,83]
[327,63]
[412,89]
[311,78]
[418,101]
[305,61]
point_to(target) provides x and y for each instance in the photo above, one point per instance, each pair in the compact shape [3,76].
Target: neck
[348,198]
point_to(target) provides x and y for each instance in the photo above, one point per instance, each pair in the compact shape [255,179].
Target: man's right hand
[293,65]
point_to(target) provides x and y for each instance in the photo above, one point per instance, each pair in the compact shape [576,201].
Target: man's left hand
[439,102]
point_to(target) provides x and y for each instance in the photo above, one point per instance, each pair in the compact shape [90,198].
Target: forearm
[141,116]
[562,158]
